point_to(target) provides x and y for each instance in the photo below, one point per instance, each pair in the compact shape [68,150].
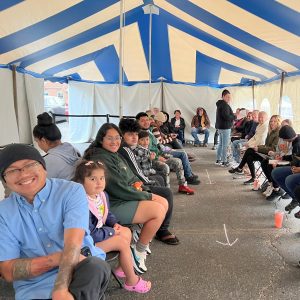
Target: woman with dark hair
[129,202]
[61,158]
[178,124]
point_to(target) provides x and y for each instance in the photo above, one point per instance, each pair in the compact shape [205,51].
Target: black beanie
[287,132]
[15,152]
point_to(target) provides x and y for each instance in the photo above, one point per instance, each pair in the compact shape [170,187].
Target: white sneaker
[139,259]
[268,191]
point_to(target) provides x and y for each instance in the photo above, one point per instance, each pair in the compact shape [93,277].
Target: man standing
[44,232]
[200,125]
[224,121]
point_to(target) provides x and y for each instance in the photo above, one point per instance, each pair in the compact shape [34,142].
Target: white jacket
[260,135]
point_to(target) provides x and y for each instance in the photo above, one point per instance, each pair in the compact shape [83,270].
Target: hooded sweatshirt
[224,116]
[61,161]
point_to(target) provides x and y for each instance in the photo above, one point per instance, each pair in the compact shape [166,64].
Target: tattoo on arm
[69,260]
[22,269]
[25,268]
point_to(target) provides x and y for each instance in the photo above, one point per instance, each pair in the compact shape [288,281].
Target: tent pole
[150,55]
[281,92]
[253,95]
[121,59]
[162,95]
[15,94]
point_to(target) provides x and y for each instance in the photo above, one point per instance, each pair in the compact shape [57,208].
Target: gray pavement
[260,265]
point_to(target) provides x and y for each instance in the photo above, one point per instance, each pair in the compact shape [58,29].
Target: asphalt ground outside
[261,264]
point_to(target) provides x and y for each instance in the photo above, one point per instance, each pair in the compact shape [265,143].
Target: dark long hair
[46,129]
[97,143]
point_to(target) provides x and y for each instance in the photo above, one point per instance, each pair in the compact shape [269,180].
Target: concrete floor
[260,265]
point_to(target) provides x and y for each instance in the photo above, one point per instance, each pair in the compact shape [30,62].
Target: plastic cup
[278,218]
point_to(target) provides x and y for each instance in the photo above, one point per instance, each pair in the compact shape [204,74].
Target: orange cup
[278,218]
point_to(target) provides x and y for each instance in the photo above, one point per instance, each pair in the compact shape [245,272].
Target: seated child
[106,232]
[146,159]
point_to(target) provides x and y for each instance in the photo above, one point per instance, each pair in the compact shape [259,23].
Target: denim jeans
[288,181]
[236,149]
[199,130]
[224,139]
[185,162]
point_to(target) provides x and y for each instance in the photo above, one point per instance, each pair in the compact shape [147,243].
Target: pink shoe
[141,287]
[119,273]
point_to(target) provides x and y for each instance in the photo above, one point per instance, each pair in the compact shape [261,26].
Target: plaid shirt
[142,156]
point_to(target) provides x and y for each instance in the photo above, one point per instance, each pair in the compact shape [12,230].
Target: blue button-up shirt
[32,230]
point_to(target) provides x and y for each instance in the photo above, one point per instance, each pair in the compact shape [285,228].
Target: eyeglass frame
[17,171]
[113,139]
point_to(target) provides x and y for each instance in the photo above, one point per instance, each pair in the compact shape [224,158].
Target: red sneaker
[184,189]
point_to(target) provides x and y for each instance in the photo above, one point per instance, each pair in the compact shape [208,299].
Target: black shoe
[236,171]
[286,196]
[276,195]
[218,162]
[291,206]
[193,180]
[248,182]
[225,164]
[297,215]
[264,187]
[195,176]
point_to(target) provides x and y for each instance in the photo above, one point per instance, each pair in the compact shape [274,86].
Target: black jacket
[224,116]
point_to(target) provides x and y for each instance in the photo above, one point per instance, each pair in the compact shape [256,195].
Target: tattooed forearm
[30,267]
[22,269]
[69,260]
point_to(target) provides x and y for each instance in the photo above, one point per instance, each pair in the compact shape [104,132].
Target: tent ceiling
[204,42]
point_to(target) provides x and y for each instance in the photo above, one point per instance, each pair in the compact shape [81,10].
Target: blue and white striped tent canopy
[198,41]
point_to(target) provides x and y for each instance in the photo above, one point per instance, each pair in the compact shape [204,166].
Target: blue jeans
[185,162]
[224,139]
[199,130]
[288,181]
[236,149]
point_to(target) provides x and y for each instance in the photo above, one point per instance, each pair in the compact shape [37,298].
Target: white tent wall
[187,98]
[8,124]
[30,103]
[81,102]
[241,97]
[102,99]
[291,89]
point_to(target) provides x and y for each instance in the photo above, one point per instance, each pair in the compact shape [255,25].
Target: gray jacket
[61,161]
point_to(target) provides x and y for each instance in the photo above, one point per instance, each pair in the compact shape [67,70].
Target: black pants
[267,168]
[90,279]
[166,193]
[216,137]
[250,157]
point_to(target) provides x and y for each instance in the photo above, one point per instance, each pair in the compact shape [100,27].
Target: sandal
[141,287]
[169,239]
[119,273]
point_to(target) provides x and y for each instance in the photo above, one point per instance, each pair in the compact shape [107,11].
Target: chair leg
[117,279]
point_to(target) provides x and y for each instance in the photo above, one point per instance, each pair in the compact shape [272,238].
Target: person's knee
[97,267]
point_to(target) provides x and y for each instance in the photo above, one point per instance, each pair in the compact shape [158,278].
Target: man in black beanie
[288,178]
[43,227]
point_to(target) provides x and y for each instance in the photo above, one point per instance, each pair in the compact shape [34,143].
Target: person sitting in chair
[200,124]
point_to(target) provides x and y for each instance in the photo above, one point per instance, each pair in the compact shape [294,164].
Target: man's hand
[295,170]
[62,295]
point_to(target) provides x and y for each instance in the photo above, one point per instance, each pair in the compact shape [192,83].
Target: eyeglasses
[16,172]
[112,139]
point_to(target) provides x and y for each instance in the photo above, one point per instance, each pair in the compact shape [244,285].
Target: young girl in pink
[106,232]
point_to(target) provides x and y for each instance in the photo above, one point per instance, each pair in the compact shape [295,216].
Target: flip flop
[169,239]
[141,287]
